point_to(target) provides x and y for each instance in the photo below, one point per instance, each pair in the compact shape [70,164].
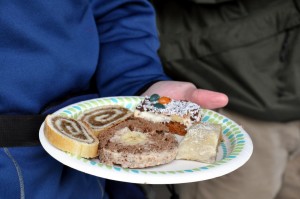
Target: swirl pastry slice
[71,136]
[137,143]
[101,118]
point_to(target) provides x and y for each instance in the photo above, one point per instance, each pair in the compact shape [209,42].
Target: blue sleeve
[128,40]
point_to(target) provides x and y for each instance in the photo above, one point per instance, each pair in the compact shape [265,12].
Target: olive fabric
[248,49]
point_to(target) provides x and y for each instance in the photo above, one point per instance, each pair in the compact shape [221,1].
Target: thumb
[208,99]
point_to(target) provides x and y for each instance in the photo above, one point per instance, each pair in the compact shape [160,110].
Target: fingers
[188,91]
[208,99]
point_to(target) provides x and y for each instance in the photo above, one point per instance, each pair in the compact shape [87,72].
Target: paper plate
[233,152]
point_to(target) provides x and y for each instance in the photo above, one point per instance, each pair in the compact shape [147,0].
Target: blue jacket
[51,49]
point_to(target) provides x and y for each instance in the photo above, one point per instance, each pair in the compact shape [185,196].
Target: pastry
[137,143]
[71,136]
[178,115]
[200,143]
[101,118]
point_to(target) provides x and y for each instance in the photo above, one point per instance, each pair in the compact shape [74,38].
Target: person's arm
[128,39]
[128,55]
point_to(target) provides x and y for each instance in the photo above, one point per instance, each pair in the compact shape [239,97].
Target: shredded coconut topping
[175,107]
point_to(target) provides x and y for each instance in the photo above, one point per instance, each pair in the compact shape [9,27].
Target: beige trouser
[273,171]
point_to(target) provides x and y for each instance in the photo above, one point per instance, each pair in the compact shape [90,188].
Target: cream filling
[154,117]
[127,137]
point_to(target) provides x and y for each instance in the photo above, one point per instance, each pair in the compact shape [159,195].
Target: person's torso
[47,49]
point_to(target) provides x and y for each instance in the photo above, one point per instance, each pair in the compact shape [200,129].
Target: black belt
[23,130]
[20,130]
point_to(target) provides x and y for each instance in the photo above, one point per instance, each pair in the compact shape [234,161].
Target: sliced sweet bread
[102,118]
[71,136]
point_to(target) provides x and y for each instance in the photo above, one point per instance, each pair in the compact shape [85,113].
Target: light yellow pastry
[200,143]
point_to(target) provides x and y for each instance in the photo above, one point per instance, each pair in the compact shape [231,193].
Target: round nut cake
[137,143]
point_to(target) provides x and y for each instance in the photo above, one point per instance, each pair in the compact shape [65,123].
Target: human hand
[188,91]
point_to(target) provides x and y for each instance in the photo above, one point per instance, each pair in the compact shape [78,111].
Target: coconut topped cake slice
[178,115]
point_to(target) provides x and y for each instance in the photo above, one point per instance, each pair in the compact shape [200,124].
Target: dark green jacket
[248,49]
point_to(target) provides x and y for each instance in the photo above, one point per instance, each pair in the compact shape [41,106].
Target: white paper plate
[233,152]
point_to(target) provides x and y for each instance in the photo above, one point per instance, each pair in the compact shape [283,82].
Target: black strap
[20,130]
[174,194]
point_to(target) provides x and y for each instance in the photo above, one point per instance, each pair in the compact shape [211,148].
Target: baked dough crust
[71,136]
